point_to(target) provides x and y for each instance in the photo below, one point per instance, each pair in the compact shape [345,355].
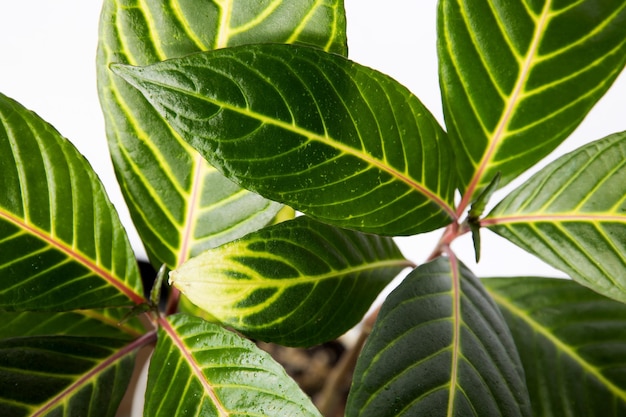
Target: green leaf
[572,214]
[84,323]
[62,246]
[331,138]
[63,375]
[572,343]
[201,369]
[75,363]
[517,78]
[439,347]
[476,210]
[296,283]
[180,204]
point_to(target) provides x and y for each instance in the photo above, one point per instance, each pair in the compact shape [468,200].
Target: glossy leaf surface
[517,77]
[439,347]
[62,374]
[572,214]
[201,369]
[296,283]
[62,246]
[568,337]
[178,202]
[331,138]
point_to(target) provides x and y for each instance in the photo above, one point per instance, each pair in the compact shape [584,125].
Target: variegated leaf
[62,246]
[180,204]
[439,347]
[518,76]
[572,214]
[201,369]
[329,137]
[572,342]
[296,283]
[64,364]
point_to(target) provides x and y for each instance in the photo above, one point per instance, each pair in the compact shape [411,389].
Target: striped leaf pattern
[572,214]
[62,246]
[338,141]
[110,323]
[568,337]
[518,76]
[63,375]
[201,369]
[439,347]
[180,204]
[296,283]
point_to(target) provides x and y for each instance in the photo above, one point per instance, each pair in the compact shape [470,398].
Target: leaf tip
[125,71]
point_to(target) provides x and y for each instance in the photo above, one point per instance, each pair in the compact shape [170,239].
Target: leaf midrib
[500,130]
[291,127]
[553,218]
[194,365]
[456,335]
[187,226]
[221,39]
[90,375]
[75,255]
[190,215]
[264,281]
[557,343]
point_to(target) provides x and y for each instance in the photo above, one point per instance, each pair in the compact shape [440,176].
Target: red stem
[453,231]
[172,302]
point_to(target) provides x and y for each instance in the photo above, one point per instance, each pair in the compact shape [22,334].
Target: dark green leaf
[479,205]
[84,323]
[179,204]
[76,363]
[572,214]
[517,77]
[439,347]
[477,209]
[63,375]
[572,343]
[62,246]
[201,369]
[333,139]
[296,283]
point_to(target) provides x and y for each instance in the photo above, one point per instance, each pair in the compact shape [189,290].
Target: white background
[47,62]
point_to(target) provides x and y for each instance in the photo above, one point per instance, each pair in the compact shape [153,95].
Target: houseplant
[581,192]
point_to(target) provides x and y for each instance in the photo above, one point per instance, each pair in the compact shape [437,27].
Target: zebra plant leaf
[517,77]
[338,141]
[63,374]
[296,283]
[439,347]
[110,323]
[572,214]
[201,369]
[62,246]
[178,202]
[568,337]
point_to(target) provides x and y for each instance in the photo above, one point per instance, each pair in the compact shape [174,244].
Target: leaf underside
[338,141]
[178,202]
[298,283]
[201,369]
[439,347]
[62,246]
[568,337]
[518,77]
[572,214]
